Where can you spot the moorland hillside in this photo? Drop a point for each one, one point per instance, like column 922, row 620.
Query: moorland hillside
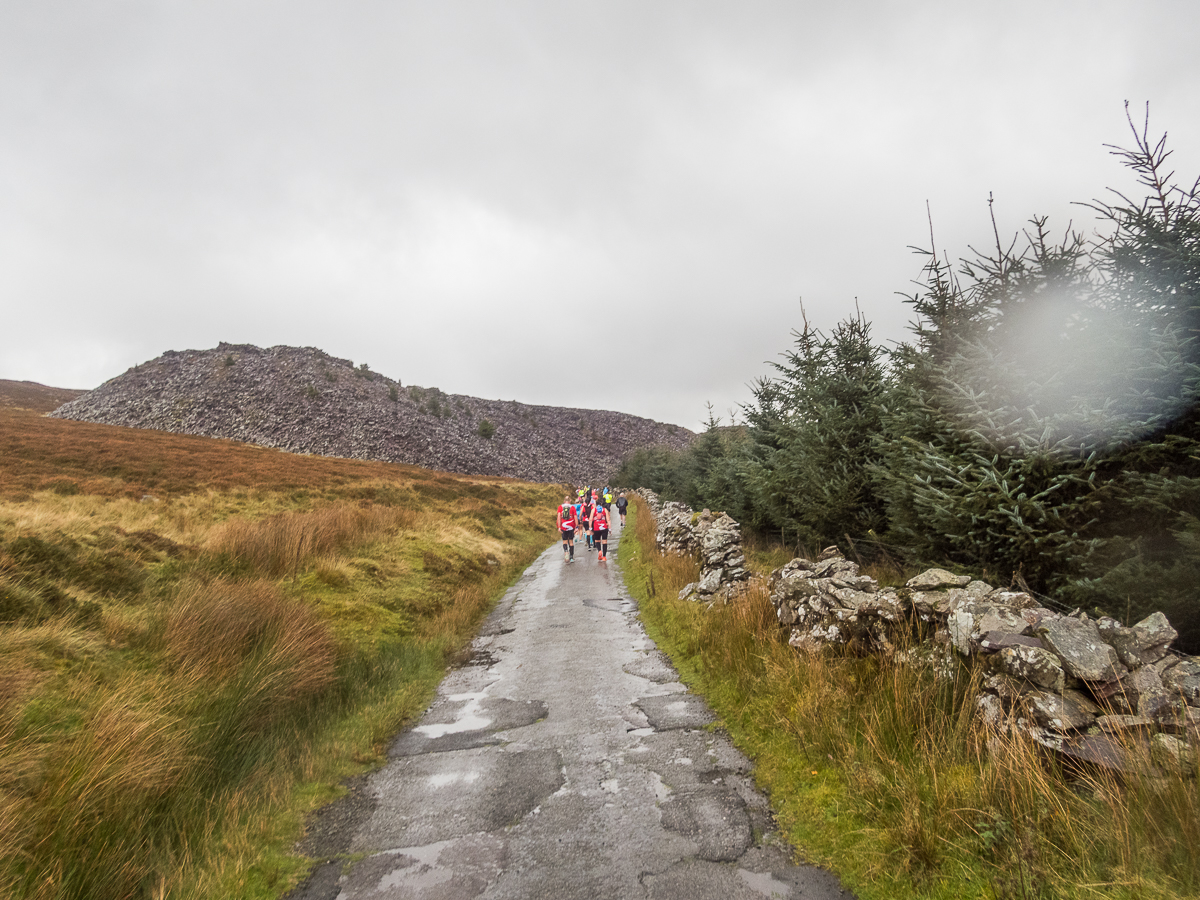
column 200, row 639
column 33, row 396
column 302, row 400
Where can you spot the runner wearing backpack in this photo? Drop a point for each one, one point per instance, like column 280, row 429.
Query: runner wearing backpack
column 566, row 526
column 622, row 505
column 600, row 532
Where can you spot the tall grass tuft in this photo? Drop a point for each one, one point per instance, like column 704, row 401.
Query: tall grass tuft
column 99, row 817
column 113, row 803
column 284, row 543
column 215, row 629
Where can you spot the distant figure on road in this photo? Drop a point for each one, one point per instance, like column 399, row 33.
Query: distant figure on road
column 585, row 520
column 622, row 505
column 608, row 498
column 566, row 525
column 600, row 531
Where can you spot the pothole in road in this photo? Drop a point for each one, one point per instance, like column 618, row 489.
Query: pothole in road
column 672, row 711
column 653, row 666
column 469, row 656
column 475, row 724
column 613, row 604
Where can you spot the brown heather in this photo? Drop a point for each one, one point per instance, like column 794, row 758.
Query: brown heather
column 42, row 454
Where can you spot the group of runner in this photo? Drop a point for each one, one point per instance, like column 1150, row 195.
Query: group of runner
column 588, row 511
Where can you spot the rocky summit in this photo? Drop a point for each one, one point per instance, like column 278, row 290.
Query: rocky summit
column 302, row 400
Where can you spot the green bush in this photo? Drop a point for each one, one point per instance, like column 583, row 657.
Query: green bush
column 486, row 429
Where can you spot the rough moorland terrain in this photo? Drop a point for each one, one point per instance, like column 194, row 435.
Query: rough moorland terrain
column 302, row 400
column 33, row 396
column 200, row 639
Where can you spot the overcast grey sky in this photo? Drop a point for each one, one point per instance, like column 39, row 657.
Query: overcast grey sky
column 469, row 194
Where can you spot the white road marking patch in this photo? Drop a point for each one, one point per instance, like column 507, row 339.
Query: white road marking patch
column 661, row 791
column 424, row 874
column 468, row 719
column 441, row 779
column 467, row 723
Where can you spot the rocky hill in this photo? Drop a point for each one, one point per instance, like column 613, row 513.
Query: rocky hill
column 303, row 400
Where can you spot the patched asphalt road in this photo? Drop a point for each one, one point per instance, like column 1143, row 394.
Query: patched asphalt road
column 565, row 761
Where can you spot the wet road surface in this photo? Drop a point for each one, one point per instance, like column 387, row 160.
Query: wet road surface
column 565, row 761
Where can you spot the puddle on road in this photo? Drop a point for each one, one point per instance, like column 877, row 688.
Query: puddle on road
column 613, row 604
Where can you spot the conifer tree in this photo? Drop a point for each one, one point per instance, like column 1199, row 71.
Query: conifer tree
column 812, row 430
column 1044, row 423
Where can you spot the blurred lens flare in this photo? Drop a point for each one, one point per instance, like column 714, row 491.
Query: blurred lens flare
column 1057, row 375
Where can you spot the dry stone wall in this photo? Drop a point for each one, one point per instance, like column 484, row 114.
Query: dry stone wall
column 714, row 537
column 1087, row 688
column 302, row 400
column 1082, row 686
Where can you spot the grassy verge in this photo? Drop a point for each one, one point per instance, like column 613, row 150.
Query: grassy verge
column 183, row 679
column 880, row 772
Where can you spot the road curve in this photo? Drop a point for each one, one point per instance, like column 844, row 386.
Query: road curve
column 564, row 761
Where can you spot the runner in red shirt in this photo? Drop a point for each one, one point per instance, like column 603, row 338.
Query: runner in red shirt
column 600, row 531
column 566, row 527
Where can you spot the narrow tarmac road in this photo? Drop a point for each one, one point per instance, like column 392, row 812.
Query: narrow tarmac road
column 565, row 761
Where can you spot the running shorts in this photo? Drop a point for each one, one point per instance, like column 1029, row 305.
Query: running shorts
column 568, row 534
column 599, row 535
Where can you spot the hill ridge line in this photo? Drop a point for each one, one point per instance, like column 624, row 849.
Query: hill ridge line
column 303, row 400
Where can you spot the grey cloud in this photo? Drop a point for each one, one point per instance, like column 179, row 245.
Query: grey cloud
column 454, row 191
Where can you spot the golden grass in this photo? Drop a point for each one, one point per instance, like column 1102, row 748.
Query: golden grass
column 83, row 817
column 284, row 543
column 214, row 627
